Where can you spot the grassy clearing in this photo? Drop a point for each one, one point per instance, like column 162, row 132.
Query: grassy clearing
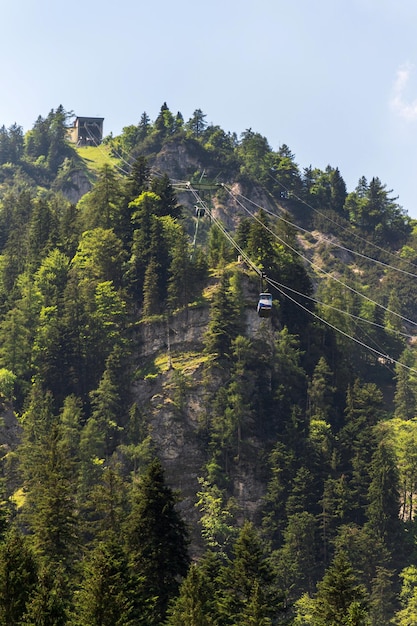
column 184, row 362
column 96, row 157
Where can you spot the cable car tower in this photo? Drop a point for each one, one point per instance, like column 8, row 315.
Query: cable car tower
column 203, row 190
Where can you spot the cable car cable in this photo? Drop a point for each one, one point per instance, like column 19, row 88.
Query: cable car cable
column 348, row 230
column 317, row 267
column 332, row 243
column 97, row 145
column 339, row 330
column 330, row 306
column 379, row 353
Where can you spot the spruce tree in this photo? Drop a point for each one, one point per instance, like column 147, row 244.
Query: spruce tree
column 138, row 179
column 192, row 607
column 100, row 207
column 18, row 577
column 339, row 596
column 384, row 501
column 49, row 480
column 224, row 324
column 156, row 541
column 358, row 442
column 246, row 577
column 168, row 204
column 49, row 604
column 105, row 597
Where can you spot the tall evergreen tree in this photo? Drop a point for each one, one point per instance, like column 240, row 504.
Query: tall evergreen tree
column 192, row 607
column 50, row 507
column 18, row 577
column 246, row 576
column 100, row 207
column 225, row 322
column 49, row 604
column 384, row 502
column 156, row 543
column 105, row 596
column 358, row 442
column 339, row 596
column 168, row 204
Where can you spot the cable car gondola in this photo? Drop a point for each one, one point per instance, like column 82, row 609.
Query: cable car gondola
column 200, row 211
column 264, row 307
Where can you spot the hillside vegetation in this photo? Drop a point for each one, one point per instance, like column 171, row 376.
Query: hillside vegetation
column 168, row 456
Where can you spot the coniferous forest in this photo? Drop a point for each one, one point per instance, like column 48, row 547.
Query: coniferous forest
column 168, row 456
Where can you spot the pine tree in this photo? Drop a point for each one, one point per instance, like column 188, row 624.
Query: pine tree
column 138, row 180
column 106, row 594
column 261, row 244
column 225, row 322
column 180, row 279
column 192, row 607
column 107, row 504
column 384, row 501
column 16, row 143
column 42, row 231
column 156, row 542
column 247, row 576
column 282, row 469
column 49, row 603
column 296, row 560
column 405, row 398
column 197, row 124
column 321, row 391
column 152, row 299
column 168, row 204
column 358, row 442
column 100, row 207
column 18, row 577
column 50, row 507
column 382, row 598
column 339, row 596
column 106, row 412
column 136, row 183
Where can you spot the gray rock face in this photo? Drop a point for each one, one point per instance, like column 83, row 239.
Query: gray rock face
column 177, row 426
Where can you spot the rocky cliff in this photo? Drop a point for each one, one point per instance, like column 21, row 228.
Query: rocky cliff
column 172, row 388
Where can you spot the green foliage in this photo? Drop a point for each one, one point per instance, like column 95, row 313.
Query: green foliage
column 47, row 141
column 248, row 586
column 371, row 208
column 217, row 515
column 50, row 507
column 99, row 256
column 18, row 577
column 192, row 607
column 284, row 411
column 100, row 207
column 358, row 441
column 253, row 151
column 7, row 383
column 49, row 603
column 159, row 562
column 105, row 597
column 340, row 600
column 384, row 501
column 295, row 562
column 225, row 321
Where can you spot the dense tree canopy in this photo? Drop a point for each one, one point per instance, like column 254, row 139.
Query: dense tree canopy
column 151, row 419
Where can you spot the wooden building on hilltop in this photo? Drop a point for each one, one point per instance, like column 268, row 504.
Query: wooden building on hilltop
column 87, row 131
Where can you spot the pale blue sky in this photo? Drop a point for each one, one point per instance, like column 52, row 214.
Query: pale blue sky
column 336, row 80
